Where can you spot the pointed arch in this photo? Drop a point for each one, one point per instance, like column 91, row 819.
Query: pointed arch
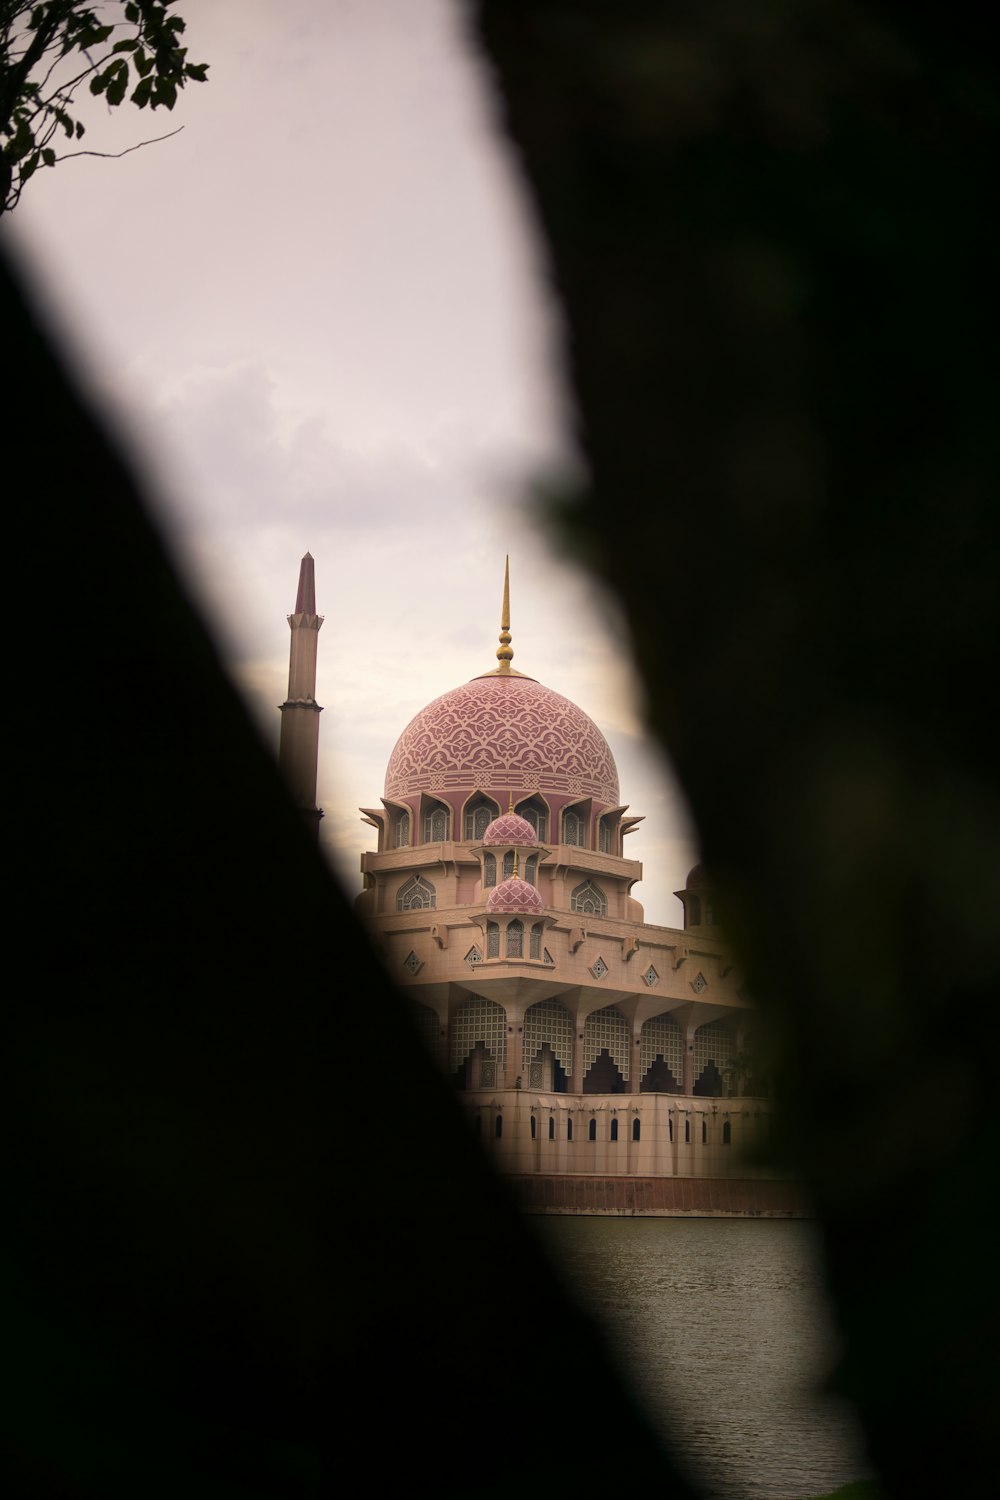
column 436, row 821
column 417, row 894
column 589, row 899
column 477, row 815
column 535, row 810
column 574, row 827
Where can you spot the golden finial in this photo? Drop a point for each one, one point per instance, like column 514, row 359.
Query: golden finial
column 517, row 872
column 504, row 653
column 510, row 804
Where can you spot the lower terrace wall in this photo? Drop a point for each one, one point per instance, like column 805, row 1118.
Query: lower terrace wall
column 661, row 1197
column 607, row 1136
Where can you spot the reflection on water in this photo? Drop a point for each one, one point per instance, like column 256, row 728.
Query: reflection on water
column 723, row 1325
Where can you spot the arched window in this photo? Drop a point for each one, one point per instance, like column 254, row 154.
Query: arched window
column 670, row 1129
column 636, row 1128
column 704, row 1131
column 606, row 836
column 536, row 940
column 492, row 940
column 535, row 812
column 614, row 1130
column 479, row 814
column 552, row 1128
column 569, row 1128
column 574, row 828
column 727, row 1134
column 436, row 821
column 693, row 911
column 531, row 869
column 589, row 899
column 532, row 1127
column 515, row 939
column 498, row 1126
column 592, row 1131
column 401, row 830
column 416, row 895
column 489, row 869
column 687, row 1132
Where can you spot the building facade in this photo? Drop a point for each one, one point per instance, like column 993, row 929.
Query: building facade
column 604, row 1059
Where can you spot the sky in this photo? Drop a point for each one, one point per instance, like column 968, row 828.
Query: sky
column 320, row 319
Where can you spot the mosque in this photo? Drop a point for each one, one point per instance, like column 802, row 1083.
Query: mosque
column 607, row 1062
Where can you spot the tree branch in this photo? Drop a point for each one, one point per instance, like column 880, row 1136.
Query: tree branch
column 153, row 141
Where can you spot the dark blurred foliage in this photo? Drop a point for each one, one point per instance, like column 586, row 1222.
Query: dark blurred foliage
column 250, row 1247
column 767, row 227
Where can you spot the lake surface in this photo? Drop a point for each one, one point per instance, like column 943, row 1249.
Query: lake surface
column 724, row 1327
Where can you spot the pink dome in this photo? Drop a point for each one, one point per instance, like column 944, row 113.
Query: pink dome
column 509, row 828
column 514, row 895
column 503, row 733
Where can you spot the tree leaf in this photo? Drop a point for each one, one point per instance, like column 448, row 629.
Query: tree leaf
column 141, row 92
column 131, row 12
column 49, row 156
column 118, row 85
column 125, row 46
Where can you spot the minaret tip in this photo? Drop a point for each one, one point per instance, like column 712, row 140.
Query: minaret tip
column 305, row 599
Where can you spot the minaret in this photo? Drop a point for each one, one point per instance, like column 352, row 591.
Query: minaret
column 298, row 749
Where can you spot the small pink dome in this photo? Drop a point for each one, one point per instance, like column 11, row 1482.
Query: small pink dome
column 696, row 879
column 510, row 828
column 514, row 895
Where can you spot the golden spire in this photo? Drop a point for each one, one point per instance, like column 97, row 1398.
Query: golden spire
column 510, row 804
column 504, row 653
column 517, row 873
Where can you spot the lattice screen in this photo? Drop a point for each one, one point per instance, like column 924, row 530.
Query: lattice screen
column 478, row 1020
column 712, row 1043
column 548, row 1021
column 661, row 1036
column 606, row 1028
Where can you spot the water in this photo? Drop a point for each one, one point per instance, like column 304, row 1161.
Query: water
column 724, row 1327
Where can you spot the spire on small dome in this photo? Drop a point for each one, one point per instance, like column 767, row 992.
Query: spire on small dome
column 305, row 599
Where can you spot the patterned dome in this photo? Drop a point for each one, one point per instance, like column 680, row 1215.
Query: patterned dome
column 503, row 732
column 509, row 828
column 514, row 895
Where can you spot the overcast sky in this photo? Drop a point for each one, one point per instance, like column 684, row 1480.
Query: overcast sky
column 320, row 319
